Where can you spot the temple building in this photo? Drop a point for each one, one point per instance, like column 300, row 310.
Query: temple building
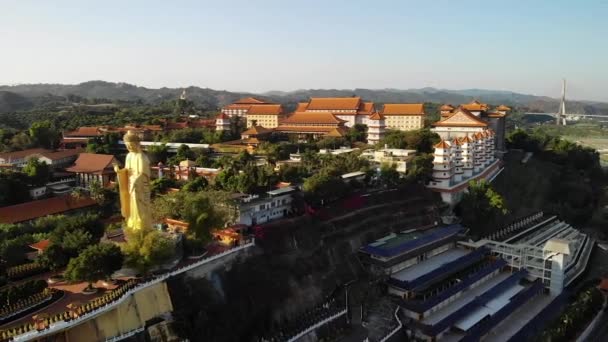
column 376, row 126
column 266, row 115
column 93, row 167
column 466, row 152
column 222, row 122
column 254, row 135
column 314, row 124
column 495, row 119
column 241, row 107
column 403, row 116
column 352, row 110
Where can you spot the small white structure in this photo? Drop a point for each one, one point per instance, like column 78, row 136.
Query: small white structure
column 222, row 122
column 390, row 156
column 254, row 209
column 353, row 176
column 338, row 151
column 37, row 192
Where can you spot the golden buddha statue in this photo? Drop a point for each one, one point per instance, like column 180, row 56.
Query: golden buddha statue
column 134, row 185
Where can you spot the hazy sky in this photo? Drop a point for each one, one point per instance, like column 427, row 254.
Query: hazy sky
column 524, row 46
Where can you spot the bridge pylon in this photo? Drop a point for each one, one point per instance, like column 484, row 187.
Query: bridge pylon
column 561, row 113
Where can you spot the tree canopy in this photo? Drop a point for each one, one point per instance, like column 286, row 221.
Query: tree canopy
column 97, row 262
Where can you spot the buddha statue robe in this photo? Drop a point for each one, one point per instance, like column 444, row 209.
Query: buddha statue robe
column 134, row 183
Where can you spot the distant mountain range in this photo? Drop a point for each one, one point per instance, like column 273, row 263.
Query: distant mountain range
column 28, row 96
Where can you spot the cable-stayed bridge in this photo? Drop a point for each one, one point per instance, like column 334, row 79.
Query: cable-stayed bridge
column 561, row 116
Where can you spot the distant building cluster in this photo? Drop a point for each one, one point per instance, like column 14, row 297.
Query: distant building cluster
column 326, row 117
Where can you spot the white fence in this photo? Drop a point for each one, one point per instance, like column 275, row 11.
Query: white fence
column 56, row 327
column 317, row 325
column 125, row 335
column 399, row 326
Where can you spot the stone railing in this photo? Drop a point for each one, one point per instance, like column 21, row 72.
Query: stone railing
column 26, row 304
column 125, row 335
column 392, row 332
column 515, row 226
column 103, row 304
column 61, row 181
column 317, row 325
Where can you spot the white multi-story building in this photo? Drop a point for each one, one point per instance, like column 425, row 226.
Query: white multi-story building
column 466, row 152
column 254, row 209
column 375, row 128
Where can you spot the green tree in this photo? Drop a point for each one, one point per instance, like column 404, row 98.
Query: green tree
column 144, row 250
column 158, row 153
column 44, row 134
column 389, row 177
column 14, row 188
column 420, row 168
column 357, row 133
column 75, row 241
column 480, row 205
column 196, row 185
column 38, row 171
column 161, row 185
column 53, row 257
column 21, row 141
column 97, row 262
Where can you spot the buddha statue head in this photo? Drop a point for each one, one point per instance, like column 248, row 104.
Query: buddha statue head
column 132, row 141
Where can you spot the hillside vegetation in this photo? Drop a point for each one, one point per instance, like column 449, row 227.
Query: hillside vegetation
column 212, row 99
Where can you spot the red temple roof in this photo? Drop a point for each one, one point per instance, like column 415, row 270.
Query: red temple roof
column 49, row 206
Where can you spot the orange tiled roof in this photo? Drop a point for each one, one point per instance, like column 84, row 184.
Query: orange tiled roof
column 461, row 118
column 336, row 132
column 62, row 154
column 201, row 123
column 475, row 106
column 403, row 109
column 237, row 106
column 366, row 108
column 503, row 108
column 84, row 132
column 495, row 115
column 376, row 116
column 303, row 118
column 446, row 106
column 153, row 127
column 309, row 129
column 466, row 139
column 302, row 107
column 256, row 130
column 222, row 116
column 265, row 109
column 23, row 154
column 456, row 141
column 41, row 245
column 442, row 144
column 35, row 209
column 334, row 103
column 92, row 163
column 250, row 100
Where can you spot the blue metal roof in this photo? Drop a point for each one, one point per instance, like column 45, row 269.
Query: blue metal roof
column 410, row 245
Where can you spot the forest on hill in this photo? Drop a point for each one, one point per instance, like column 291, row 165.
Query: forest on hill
column 35, row 96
